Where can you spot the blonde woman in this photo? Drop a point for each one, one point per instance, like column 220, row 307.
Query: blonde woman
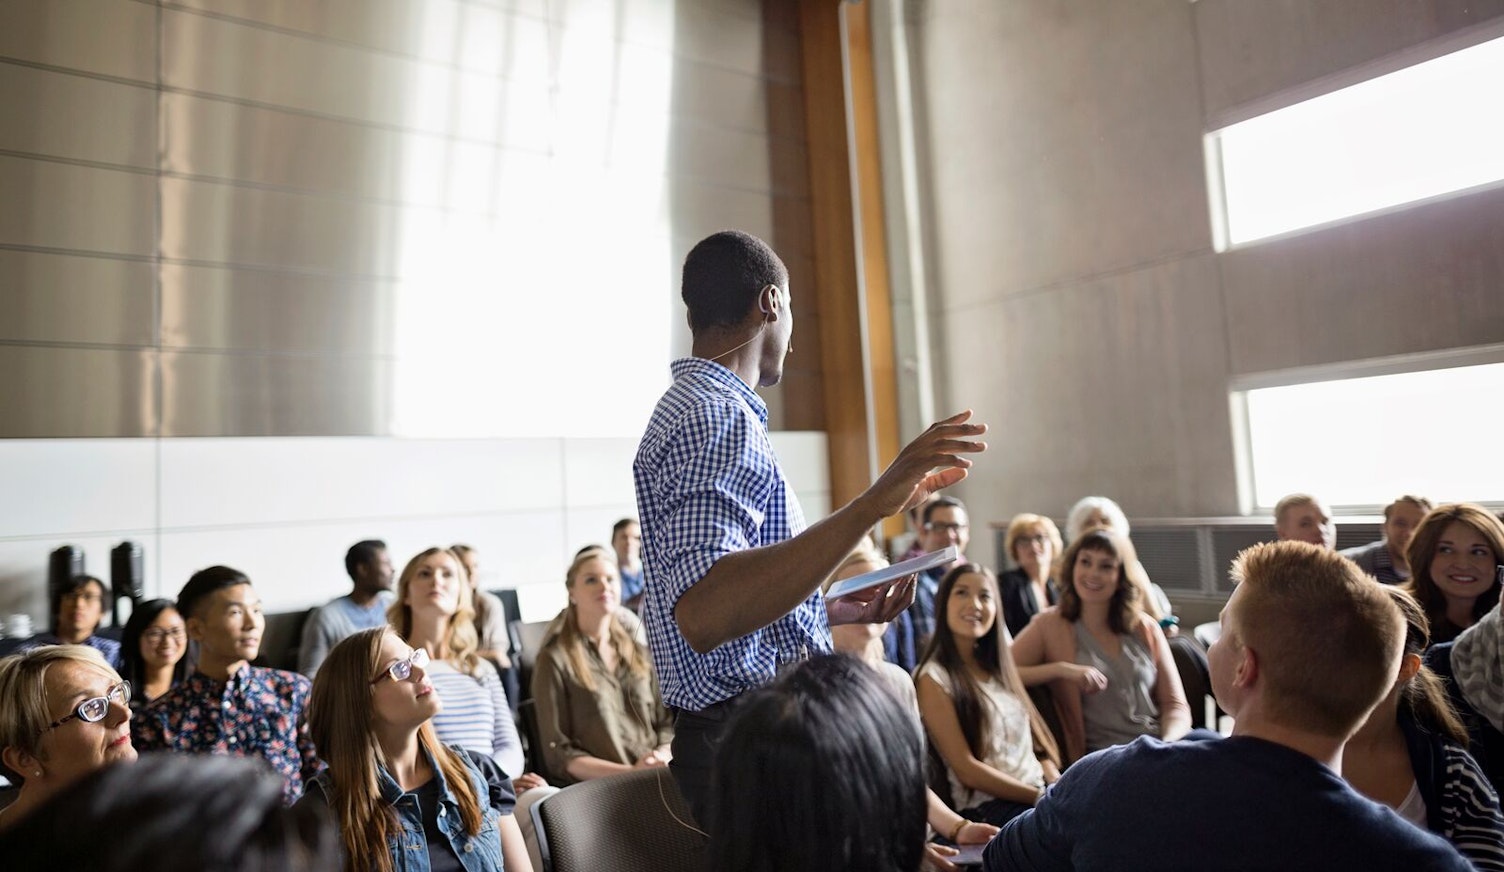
column 433, row 611
column 1033, row 541
column 64, row 713
column 400, row 798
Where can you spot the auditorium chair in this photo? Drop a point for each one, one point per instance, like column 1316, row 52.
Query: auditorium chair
column 633, row 822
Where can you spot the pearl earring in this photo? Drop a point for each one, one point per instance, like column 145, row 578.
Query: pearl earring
column 38, row 773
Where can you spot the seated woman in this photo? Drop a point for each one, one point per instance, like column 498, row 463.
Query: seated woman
column 1093, row 512
column 77, row 608
column 1411, row 756
column 1032, row 541
column 1452, row 557
column 400, row 799
column 998, row 753
column 433, row 611
column 864, row 642
column 1112, row 673
column 64, row 713
column 1473, row 669
column 599, row 709
column 152, row 650
column 820, row 771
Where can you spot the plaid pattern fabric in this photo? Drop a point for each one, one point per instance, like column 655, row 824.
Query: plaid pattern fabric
column 709, row 484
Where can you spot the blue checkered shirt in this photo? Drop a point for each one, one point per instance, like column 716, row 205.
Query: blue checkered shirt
column 709, row 484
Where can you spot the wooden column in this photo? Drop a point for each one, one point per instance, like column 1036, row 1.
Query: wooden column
column 851, row 261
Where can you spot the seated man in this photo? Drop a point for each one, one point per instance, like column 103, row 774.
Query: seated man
column 1385, row 559
column 626, row 541
column 1303, row 518
column 943, row 522
column 1309, row 646
column 76, row 613
column 363, row 608
column 228, row 706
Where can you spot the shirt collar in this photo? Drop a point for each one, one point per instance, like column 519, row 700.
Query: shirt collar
column 709, row 369
column 204, row 682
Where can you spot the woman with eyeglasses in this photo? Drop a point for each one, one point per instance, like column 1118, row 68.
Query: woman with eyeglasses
column 1033, row 541
column 400, row 798
column 152, row 650
column 64, row 712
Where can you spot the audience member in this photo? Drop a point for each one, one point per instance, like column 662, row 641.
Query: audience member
column 1309, row 645
column 77, row 609
column 433, row 611
column 821, row 771
column 370, row 569
column 64, row 712
column 1304, row 518
column 1113, row 676
column 1411, row 756
column 943, row 522
column 400, row 799
column 170, row 813
column 1452, row 559
column 998, row 752
column 599, row 710
column 1473, row 667
column 152, row 651
column 626, row 541
column 1090, row 513
column 1386, row 559
column 491, row 625
column 228, row 706
column 862, row 642
column 1033, row 542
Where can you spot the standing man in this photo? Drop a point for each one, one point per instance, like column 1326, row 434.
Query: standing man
column 1386, row 559
column 364, row 607
column 227, row 706
column 732, row 575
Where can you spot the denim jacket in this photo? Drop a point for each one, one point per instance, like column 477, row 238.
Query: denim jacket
column 409, row 849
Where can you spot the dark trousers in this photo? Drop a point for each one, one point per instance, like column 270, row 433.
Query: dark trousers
column 697, row 735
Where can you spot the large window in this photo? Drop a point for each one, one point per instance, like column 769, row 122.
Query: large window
column 1360, row 442
column 1427, row 130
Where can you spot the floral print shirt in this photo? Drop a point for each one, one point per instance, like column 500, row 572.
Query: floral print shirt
column 257, row 713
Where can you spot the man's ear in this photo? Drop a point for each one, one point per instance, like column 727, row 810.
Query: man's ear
column 1248, row 668
column 770, row 302
column 194, row 627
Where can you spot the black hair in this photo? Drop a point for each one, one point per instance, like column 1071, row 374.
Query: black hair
column 205, row 582
column 363, row 553
column 621, row 525
column 174, row 813
column 723, row 275
column 821, row 770
column 133, row 667
column 71, row 586
column 940, row 503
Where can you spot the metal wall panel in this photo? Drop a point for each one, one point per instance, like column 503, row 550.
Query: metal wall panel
column 221, row 223
column 78, row 392
column 78, row 117
column 274, row 395
column 107, row 37
column 57, row 205
column 64, row 298
column 222, row 308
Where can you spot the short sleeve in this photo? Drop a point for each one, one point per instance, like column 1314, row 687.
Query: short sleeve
column 498, row 786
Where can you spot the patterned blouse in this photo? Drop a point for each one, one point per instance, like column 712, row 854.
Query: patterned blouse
column 257, row 713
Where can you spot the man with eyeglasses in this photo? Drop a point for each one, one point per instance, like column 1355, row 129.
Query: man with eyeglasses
column 77, row 609
column 227, row 706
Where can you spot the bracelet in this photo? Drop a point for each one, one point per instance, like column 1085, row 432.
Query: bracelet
column 956, row 831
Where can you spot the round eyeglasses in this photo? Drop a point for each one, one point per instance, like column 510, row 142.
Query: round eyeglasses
column 93, row 710
column 402, row 670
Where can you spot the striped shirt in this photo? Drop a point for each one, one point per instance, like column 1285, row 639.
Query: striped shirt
column 475, row 715
column 1460, row 802
column 708, row 483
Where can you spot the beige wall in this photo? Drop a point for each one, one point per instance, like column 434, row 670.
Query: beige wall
column 1078, row 303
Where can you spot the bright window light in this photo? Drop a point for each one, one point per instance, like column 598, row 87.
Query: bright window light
column 1364, row 441
column 1427, row 130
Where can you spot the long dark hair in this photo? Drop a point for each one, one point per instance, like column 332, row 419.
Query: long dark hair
column 1123, row 610
column 994, row 654
column 1422, row 548
column 133, row 667
column 821, row 771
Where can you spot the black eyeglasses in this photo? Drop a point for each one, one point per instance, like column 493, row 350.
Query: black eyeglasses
column 944, row 527
column 402, row 670
column 92, row 711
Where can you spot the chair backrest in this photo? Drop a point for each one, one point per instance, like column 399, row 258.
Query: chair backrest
column 282, row 639
column 634, row 822
column 1195, row 675
column 530, row 637
column 527, row 725
column 508, row 597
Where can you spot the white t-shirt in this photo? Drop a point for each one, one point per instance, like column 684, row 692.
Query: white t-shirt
column 1009, row 745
